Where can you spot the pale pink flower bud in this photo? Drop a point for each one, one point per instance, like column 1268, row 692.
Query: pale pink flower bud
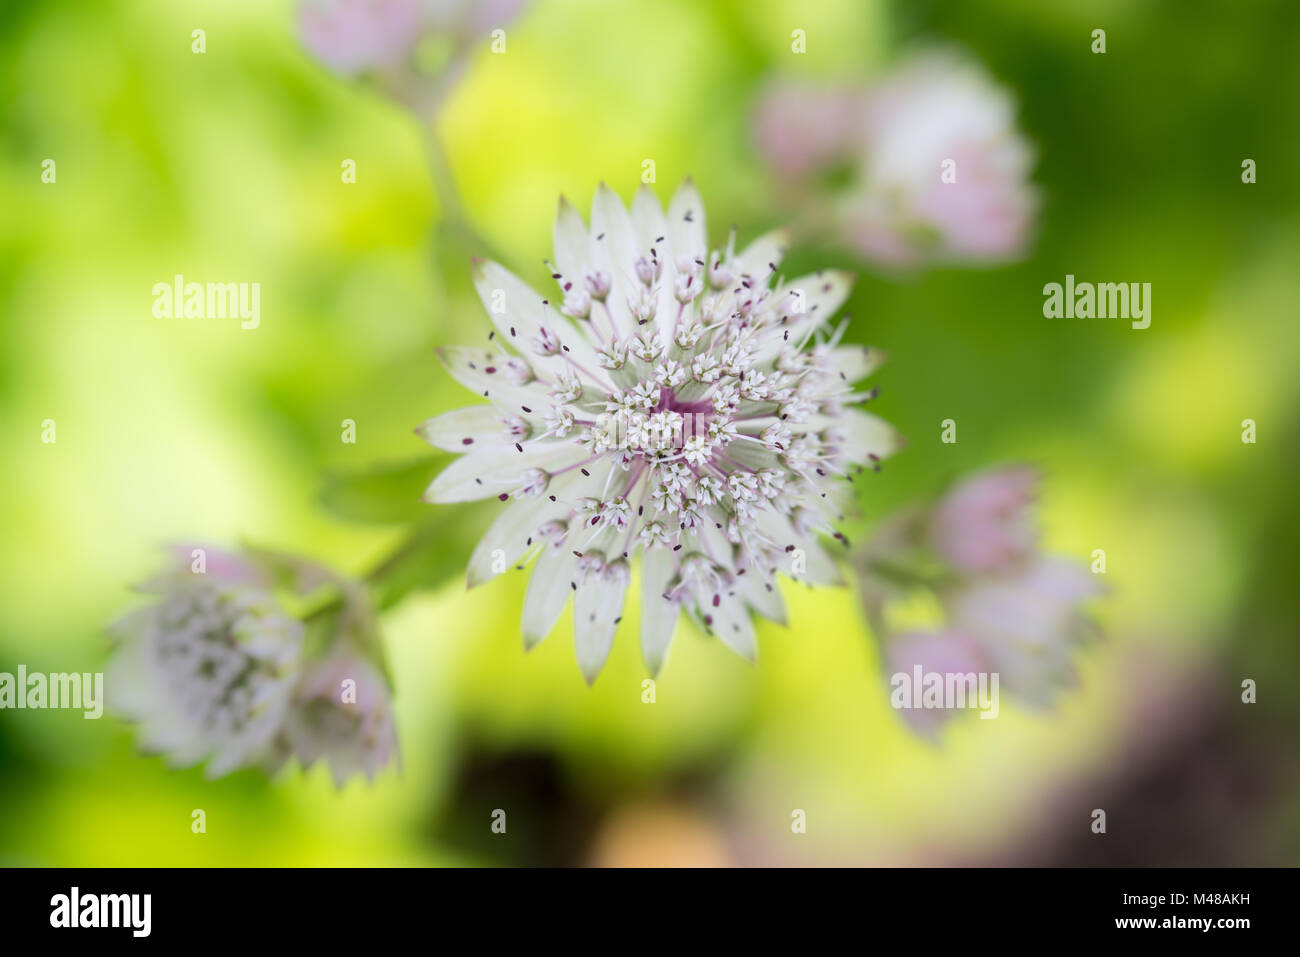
column 341, row 712
column 923, row 166
column 946, row 173
column 1028, row 623
column 357, row 36
column 381, row 36
column 944, row 652
column 206, row 670
column 805, row 130
column 984, row 522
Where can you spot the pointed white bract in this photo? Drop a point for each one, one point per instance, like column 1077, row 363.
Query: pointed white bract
column 686, row 410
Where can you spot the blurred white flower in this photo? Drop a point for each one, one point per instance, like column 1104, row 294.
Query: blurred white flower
column 470, row 19
column 216, row 668
column 943, row 651
column 923, row 166
column 997, row 604
column 937, row 108
column 358, row 36
column 342, row 712
column 208, row 669
column 697, row 410
column 1027, row 622
column 353, row 37
column 805, row 131
column 984, row 522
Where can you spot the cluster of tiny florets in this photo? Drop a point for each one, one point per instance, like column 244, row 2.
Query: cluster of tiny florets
column 691, row 404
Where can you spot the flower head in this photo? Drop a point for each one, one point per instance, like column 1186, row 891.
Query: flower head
column 208, row 669
column 984, row 522
column 992, row 603
column 216, row 669
column 353, row 37
column 698, row 413
column 1027, row 621
column 923, row 166
column 944, row 651
column 935, row 109
column 805, row 131
column 358, row 36
column 342, row 712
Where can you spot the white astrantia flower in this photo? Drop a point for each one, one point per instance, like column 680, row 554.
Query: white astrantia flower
column 208, row 670
column 685, row 409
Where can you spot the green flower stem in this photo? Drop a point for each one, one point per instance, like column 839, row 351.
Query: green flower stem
column 415, row 542
column 897, row 573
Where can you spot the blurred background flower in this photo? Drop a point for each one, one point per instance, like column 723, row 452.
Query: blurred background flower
column 219, row 667
column 699, row 419
column 984, row 522
column 995, row 604
column 341, row 713
column 922, row 165
column 943, row 652
column 353, row 36
column 398, row 41
column 207, row 670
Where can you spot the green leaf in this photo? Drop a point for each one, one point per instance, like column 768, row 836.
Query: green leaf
column 387, row 494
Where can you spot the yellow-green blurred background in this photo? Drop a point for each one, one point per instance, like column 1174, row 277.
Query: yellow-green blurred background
column 226, row 166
